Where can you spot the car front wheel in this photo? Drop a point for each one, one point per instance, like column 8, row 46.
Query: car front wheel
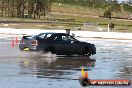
column 87, row 51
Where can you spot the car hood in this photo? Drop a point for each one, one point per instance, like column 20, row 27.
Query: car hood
column 86, row 43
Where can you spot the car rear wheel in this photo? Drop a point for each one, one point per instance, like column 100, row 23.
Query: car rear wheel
column 50, row 50
column 25, row 49
column 87, row 51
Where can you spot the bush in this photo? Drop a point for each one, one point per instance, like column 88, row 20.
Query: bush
column 107, row 14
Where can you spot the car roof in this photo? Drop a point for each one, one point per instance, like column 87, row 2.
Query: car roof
column 52, row 33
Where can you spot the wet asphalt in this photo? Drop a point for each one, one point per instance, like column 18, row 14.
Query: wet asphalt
column 36, row 70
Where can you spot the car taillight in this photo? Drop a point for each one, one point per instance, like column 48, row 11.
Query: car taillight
column 34, row 42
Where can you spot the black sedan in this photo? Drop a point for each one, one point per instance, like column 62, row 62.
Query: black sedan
column 57, row 43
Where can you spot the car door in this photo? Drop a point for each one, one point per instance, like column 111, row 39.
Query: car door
column 61, row 46
column 72, row 46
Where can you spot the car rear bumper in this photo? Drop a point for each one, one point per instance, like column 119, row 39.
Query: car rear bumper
column 30, row 47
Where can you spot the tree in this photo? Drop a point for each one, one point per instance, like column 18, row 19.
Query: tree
column 107, row 14
column 17, row 8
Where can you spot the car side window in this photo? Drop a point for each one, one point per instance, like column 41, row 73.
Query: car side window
column 67, row 38
column 48, row 36
column 58, row 38
column 42, row 36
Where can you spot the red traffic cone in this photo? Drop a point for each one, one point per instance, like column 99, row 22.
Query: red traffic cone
column 12, row 43
column 16, row 40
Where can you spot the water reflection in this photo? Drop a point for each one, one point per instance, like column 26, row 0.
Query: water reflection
column 57, row 68
column 125, row 70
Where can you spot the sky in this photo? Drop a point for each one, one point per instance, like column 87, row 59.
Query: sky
column 122, row 0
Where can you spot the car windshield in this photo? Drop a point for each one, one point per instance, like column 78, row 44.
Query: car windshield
column 72, row 38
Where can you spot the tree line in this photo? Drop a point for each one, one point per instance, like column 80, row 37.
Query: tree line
column 103, row 4
column 25, row 8
column 38, row 8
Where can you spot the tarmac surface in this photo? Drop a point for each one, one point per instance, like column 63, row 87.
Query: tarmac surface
column 36, row 70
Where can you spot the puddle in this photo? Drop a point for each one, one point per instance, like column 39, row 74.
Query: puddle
column 36, row 70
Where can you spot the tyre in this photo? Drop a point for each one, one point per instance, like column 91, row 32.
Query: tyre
column 87, row 51
column 50, row 50
column 24, row 49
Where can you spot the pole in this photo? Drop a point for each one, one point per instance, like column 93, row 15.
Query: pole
column 108, row 28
